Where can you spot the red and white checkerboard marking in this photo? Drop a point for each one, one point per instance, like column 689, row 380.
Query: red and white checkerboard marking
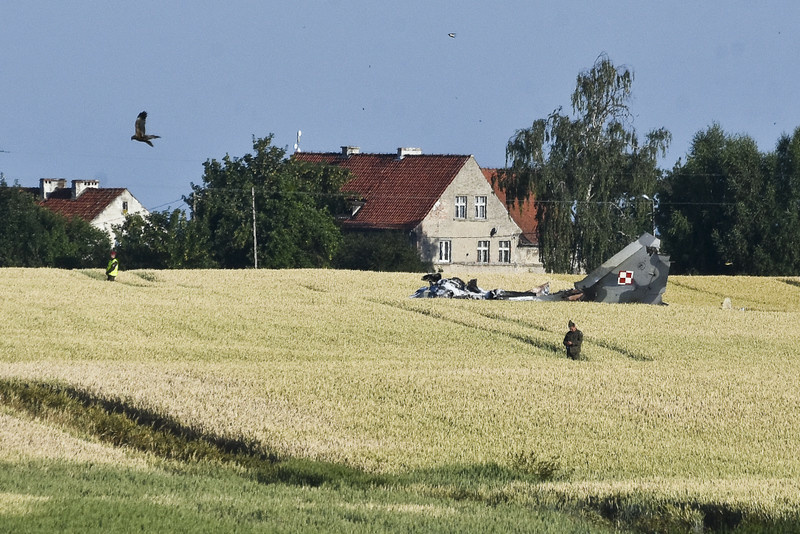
column 625, row 278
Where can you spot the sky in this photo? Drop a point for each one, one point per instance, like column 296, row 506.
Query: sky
column 379, row 75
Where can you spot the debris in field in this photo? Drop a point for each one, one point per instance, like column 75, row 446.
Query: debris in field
column 455, row 288
column 637, row 273
column 726, row 304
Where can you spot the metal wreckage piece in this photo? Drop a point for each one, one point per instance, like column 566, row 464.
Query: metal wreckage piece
column 637, row 273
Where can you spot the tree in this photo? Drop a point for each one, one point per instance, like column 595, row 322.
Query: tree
column 729, row 209
column 294, row 205
column 785, row 239
column 379, row 251
column 590, row 176
column 163, row 240
column 32, row 236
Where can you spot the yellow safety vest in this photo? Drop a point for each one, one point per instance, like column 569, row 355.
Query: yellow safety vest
column 113, row 267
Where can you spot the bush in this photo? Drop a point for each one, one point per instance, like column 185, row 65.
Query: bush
column 379, row 251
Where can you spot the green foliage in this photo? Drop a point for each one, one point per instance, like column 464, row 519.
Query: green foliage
column 379, row 251
column 163, row 240
column 591, row 177
column 32, row 236
column 106, row 498
column 729, row 209
column 294, row 204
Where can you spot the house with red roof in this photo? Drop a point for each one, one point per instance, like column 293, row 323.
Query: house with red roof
column 103, row 208
column 449, row 207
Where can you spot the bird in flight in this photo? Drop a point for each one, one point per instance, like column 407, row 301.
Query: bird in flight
column 140, row 134
column 451, row 35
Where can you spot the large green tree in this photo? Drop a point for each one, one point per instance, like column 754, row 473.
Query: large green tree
column 730, row 209
column 163, row 240
column 594, row 182
column 295, row 204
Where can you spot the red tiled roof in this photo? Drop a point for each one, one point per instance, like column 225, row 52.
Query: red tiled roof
column 523, row 213
column 87, row 206
column 399, row 193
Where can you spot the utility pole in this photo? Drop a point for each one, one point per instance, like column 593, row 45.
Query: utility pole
column 255, row 241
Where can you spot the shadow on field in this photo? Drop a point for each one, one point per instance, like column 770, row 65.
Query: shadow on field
column 795, row 283
column 516, row 480
column 549, row 345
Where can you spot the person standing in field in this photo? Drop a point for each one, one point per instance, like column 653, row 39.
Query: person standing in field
column 573, row 341
column 113, row 267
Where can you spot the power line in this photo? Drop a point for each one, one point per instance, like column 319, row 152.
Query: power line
column 433, row 197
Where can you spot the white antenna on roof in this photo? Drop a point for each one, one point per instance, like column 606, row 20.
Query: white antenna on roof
column 297, row 144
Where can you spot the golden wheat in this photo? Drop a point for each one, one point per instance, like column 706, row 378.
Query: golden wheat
column 685, row 399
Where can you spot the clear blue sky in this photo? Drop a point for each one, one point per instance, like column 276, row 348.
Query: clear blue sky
column 379, row 75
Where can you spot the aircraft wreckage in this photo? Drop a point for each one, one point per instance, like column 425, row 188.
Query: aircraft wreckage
column 637, row 273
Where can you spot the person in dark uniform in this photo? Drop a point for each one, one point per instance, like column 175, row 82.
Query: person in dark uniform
column 572, row 341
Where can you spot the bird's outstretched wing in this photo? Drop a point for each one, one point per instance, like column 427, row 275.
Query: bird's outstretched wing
column 140, row 124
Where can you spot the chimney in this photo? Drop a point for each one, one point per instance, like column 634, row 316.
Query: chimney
column 408, row 151
column 79, row 186
column 48, row 185
column 348, row 151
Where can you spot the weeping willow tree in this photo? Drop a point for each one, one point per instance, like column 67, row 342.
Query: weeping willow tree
column 592, row 180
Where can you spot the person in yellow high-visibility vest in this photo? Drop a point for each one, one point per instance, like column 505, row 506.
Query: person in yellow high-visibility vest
column 113, row 267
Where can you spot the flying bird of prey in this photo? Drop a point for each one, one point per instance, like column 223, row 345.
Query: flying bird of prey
column 140, row 134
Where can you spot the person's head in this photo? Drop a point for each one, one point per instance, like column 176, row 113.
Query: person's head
column 113, row 253
column 572, row 326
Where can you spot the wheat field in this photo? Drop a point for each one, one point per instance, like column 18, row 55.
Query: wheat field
column 684, row 403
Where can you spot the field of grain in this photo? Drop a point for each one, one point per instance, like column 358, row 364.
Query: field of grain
column 686, row 404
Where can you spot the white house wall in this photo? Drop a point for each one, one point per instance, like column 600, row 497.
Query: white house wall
column 115, row 212
column 441, row 224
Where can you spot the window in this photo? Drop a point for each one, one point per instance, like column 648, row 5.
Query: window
column 480, row 207
column 124, row 207
column 444, row 251
column 505, row 252
column 483, row 252
column 461, row 207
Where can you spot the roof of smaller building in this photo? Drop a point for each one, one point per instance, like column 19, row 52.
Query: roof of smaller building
column 89, row 204
column 523, row 213
column 399, row 192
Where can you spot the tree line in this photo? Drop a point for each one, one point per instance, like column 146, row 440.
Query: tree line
column 727, row 209
column 260, row 208
column 31, row 236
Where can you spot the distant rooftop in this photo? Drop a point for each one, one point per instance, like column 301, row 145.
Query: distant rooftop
column 399, row 189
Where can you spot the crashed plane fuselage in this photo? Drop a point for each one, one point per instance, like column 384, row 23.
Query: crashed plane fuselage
column 637, row 273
